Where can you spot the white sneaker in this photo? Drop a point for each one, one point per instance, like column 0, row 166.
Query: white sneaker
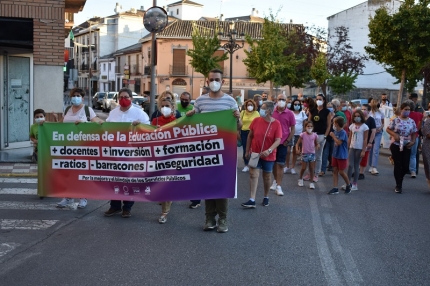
column 246, row 169
column 371, row 169
column 311, row 186
column 374, row 171
column 65, row 202
column 274, row 185
column 354, row 187
column 286, row 170
column 300, row 182
column 293, row 172
column 413, row 175
column 279, row 191
column 82, row 203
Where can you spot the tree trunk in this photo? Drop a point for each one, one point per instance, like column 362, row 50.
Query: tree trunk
column 270, row 90
column 290, row 90
column 402, row 84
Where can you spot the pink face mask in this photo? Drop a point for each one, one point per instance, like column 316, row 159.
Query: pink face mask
column 305, row 104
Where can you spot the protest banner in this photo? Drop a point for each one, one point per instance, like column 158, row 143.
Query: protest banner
column 189, row 158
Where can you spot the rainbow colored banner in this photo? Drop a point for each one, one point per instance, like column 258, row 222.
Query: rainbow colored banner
column 190, row 158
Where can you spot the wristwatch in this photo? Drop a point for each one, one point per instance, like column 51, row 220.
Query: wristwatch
column 270, row 151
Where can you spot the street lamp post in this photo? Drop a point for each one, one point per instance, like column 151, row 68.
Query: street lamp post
column 231, row 46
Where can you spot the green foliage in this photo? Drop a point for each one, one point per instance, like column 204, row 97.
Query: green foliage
column 319, row 71
column 343, row 83
column 400, row 41
column 267, row 61
column 205, row 43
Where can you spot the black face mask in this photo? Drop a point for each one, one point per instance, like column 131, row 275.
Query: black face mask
column 184, row 103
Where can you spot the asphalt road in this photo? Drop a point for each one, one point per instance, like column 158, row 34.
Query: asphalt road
column 369, row 237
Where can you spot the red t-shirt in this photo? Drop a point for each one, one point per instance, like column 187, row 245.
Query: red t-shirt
column 417, row 117
column 259, row 128
column 348, row 119
column 161, row 120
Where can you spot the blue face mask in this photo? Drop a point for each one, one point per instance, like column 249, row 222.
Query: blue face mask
column 262, row 113
column 297, row 107
column 330, row 108
column 76, row 100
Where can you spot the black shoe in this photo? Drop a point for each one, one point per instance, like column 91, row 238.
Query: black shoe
column 361, row 177
column 333, row 191
column 398, row 190
column 348, row 189
column 330, row 168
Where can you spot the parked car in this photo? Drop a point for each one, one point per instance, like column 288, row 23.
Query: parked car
column 115, row 101
column 98, row 100
column 107, row 100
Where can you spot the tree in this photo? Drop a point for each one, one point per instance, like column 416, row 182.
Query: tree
column 205, row 44
column 319, row 71
column 399, row 41
column 342, row 83
column 267, row 60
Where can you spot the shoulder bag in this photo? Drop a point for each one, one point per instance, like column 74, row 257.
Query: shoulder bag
column 255, row 157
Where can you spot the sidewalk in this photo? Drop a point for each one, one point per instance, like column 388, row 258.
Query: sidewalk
column 17, row 163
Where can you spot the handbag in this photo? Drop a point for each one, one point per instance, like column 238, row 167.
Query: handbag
column 255, row 157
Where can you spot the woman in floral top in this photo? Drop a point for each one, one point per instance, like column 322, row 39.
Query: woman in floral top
column 402, row 130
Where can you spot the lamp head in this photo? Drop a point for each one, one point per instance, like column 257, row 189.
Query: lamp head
column 231, row 25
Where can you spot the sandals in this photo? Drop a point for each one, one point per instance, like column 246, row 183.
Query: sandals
column 163, row 218
column 321, row 174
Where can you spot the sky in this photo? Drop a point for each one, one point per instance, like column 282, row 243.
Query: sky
column 307, row 12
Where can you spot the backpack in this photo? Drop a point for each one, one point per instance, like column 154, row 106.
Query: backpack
column 87, row 112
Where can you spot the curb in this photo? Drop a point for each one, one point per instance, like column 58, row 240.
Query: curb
column 18, row 175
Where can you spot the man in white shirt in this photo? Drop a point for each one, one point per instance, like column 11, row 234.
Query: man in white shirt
column 385, row 101
column 125, row 112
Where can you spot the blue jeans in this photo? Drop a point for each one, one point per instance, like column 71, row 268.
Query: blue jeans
column 117, row 205
column 244, row 138
column 413, row 160
column 327, row 152
column 374, row 152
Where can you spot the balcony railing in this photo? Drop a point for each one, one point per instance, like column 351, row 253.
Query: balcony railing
column 178, row 70
column 84, row 67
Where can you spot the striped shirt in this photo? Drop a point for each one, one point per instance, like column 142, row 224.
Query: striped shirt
column 205, row 103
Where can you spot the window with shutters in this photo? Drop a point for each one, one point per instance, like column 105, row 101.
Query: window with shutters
column 179, row 66
column 220, row 53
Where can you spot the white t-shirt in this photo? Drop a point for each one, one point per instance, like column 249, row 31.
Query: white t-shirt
column 357, row 135
column 79, row 115
column 132, row 114
column 378, row 116
column 300, row 117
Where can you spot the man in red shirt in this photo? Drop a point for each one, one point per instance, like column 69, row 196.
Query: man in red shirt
column 418, row 118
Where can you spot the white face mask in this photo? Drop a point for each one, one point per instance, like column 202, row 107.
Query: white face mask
column 260, row 103
column 38, row 120
column 215, row 86
column 281, row 103
column 166, row 111
column 309, row 130
column 320, row 102
column 289, row 105
column 250, row 108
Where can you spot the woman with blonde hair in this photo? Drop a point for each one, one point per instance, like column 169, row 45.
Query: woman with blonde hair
column 247, row 115
column 168, row 95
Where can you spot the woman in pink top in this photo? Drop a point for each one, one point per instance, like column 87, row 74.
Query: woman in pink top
column 308, row 141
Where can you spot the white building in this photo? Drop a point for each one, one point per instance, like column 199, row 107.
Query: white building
column 357, row 20
column 105, row 36
column 185, row 10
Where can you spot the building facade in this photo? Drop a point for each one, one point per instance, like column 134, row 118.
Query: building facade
column 374, row 79
column 31, row 63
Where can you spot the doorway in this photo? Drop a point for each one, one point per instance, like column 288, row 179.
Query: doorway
column 16, row 87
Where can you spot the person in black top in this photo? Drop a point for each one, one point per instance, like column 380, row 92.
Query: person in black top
column 321, row 118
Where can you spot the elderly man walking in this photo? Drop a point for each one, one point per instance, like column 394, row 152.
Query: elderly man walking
column 288, row 122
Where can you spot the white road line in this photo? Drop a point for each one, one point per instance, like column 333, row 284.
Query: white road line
column 21, row 171
column 22, row 224
column 326, row 259
column 6, row 167
column 325, row 202
column 16, row 180
column 17, row 191
column 352, row 275
column 9, row 205
column 7, row 247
